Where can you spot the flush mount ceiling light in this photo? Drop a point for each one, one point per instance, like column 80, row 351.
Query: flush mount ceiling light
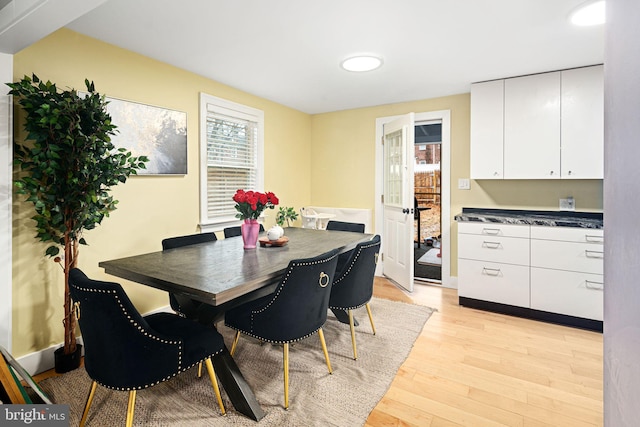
column 590, row 13
column 361, row 63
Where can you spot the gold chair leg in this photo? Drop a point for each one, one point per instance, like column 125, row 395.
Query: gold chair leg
column 199, row 369
column 214, row 383
column 370, row 318
column 353, row 334
column 324, row 349
column 285, row 363
column 130, row 408
column 92, row 391
column 235, row 343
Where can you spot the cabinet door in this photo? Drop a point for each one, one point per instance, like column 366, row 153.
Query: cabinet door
column 582, row 135
column 567, row 292
column 570, row 256
column 488, row 281
column 487, row 102
column 507, row 250
column 494, row 229
column 532, row 127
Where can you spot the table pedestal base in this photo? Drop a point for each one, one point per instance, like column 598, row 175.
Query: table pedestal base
column 236, row 387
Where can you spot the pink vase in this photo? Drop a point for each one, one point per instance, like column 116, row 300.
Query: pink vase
column 250, row 230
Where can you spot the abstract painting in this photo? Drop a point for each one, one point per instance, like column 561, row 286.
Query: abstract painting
column 158, row 133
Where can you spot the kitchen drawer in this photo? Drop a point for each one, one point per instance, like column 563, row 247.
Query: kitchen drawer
column 509, row 250
column 567, row 292
column 571, row 256
column 487, row 281
column 568, row 234
column 493, row 229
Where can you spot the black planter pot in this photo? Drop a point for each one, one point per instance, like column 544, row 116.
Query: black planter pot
column 67, row 362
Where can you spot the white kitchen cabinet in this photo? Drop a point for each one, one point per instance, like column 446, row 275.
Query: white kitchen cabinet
column 567, row 271
column 487, row 132
column 567, row 292
column 493, row 262
column 494, row 282
column 550, row 270
column 569, row 256
column 532, row 127
column 507, row 250
column 541, row 126
column 582, row 131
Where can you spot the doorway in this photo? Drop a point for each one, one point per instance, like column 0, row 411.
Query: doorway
column 428, row 201
column 444, row 116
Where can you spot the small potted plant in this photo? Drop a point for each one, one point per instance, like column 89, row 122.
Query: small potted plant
column 286, row 214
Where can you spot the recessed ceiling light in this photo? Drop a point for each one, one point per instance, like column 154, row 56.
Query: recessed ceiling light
column 361, row 63
column 590, row 13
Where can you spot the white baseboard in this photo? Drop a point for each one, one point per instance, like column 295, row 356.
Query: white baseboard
column 453, row 282
column 40, row 361
column 43, row 360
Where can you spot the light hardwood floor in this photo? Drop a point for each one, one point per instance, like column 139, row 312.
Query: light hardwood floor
column 474, row 368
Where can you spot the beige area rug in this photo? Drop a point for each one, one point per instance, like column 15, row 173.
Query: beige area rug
column 316, row 398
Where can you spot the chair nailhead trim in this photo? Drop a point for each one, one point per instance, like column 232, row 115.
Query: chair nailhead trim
column 142, row 387
column 273, row 341
column 277, row 294
column 349, row 308
column 355, row 258
column 142, row 330
column 346, row 273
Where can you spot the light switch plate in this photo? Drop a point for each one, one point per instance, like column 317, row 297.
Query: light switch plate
column 463, row 184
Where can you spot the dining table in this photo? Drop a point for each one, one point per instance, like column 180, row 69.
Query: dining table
column 222, row 274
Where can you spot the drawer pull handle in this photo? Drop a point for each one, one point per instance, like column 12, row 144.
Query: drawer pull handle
column 491, row 231
column 491, row 271
column 594, row 254
column 592, row 238
column 490, row 245
column 590, row 284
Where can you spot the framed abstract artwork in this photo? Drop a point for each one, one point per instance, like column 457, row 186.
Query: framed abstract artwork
column 158, row 133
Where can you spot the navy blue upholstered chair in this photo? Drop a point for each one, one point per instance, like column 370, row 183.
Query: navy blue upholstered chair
column 345, row 226
column 353, row 285
column 296, row 310
column 128, row 352
column 236, row 231
column 186, row 306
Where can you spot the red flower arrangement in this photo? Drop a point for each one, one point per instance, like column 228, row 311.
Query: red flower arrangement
column 250, row 204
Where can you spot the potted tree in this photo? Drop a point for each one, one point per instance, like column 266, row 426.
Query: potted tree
column 66, row 167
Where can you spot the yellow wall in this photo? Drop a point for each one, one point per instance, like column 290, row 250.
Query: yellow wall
column 343, row 166
column 150, row 208
column 324, row 160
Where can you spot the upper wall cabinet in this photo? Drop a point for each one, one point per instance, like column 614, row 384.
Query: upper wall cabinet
column 543, row 126
column 487, row 128
column 582, row 131
column 532, row 127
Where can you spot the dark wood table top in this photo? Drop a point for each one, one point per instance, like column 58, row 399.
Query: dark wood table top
column 220, row 271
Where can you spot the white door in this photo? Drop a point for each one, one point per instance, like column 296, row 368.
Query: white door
column 398, row 200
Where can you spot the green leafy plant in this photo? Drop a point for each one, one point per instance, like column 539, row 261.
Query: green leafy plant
column 67, row 166
column 286, row 214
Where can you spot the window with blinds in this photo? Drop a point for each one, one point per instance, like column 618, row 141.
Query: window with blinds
column 231, row 147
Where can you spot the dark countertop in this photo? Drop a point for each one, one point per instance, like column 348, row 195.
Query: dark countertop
column 532, row 217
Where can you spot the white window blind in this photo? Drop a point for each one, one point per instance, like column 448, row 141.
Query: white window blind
column 232, row 152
